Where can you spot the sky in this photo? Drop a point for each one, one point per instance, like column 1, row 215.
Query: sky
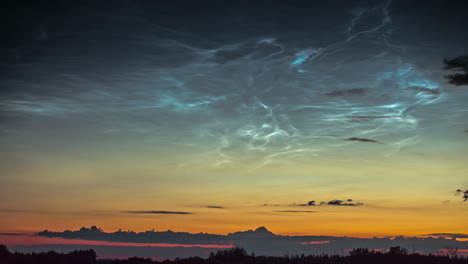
column 311, row 118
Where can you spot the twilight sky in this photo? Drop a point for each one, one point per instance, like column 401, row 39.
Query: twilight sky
column 220, row 116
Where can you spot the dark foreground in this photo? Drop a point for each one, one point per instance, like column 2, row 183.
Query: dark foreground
column 235, row 255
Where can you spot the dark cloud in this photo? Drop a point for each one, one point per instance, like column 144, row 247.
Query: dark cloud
column 460, row 66
column 349, row 92
column 157, row 212
column 271, row 205
column 363, row 140
column 463, row 193
column 455, row 235
column 466, row 131
column 336, row 202
column 359, row 118
column 348, row 202
column 214, row 207
column 309, row 203
column 294, row 211
column 260, row 241
column 97, row 234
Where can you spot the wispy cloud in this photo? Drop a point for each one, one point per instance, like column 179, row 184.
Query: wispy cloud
column 271, row 205
column 214, row 207
column 425, row 90
column 294, row 211
column 349, row 92
column 157, row 212
column 455, row 235
column 309, row 203
column 348, row 202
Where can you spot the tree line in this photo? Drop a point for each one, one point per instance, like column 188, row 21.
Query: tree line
column 237, row 256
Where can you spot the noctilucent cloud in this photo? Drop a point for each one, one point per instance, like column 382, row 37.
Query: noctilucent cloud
column 307, row 117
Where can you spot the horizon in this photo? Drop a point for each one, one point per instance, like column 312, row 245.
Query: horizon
column 341, row 118
column 160, row 245
column 259, row 227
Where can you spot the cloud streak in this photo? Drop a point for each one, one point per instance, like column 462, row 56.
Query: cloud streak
column 348, row 202
column 158, row 212
column 294, row 211
column 350, row 92
column 366, row 140
column 336, row 202
column 309, row 203
column 449, row 235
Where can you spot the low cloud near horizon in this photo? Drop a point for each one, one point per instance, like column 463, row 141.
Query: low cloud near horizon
column 262, row 241
column 448, row 235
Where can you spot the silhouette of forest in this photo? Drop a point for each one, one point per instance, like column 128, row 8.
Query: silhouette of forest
column 238, row 256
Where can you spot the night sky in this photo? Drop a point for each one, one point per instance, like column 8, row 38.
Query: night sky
column 330, row 118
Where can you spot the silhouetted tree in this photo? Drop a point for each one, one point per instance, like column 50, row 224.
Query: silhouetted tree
column 5, row 254
column 398, row 251
column 361, row 252
column 237, row 256
column 51, row 257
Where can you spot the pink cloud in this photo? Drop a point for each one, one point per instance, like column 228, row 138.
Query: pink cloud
column 314, row 242
column 28, row 240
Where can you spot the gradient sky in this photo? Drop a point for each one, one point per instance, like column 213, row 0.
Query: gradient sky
column 225, row 116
